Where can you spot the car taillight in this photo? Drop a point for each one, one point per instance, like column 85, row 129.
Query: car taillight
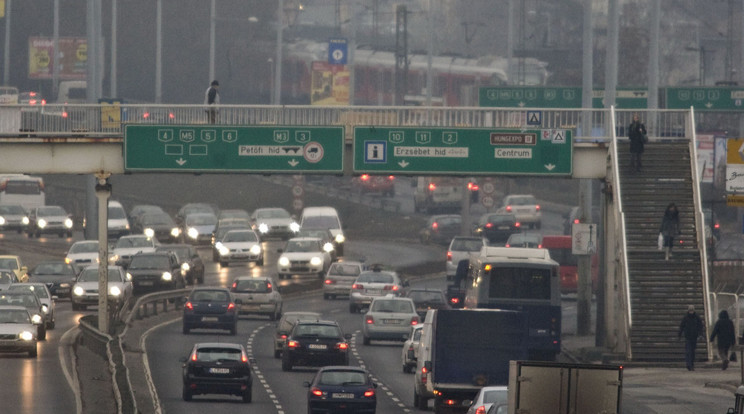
column 394, row 288
column 189, row 306
column 424, row 375
column 391, row 177
column 716, row 226
column 489, row 225
column 342, row 346
column 171, row 115
column 539, row 246
column 268, row 285
column 357, row 286
column 414, row 320
column 517, row 224
column 329, row 282
column 369, row 393
column 576, row 221
column 193, row 356
column 369, row 320
column 316, row 392
column 231, row 306
column 454, row 300
column 450, row 402
column 507, row 245
column 434, row 225
column 244, row 358
column 364, row 177
column 293, row 344
column 508, row 208
column 234, row 286
column 282, row 336
column 449, row 256
column 146, row 115
column 432, row 186
column 537, row 207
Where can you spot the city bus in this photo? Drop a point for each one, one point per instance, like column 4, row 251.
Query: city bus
column 560, row 248
column 23, row 190
column 521, row 279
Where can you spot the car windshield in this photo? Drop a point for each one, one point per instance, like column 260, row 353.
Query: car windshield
column 5, row 279
column 181, row 252
column 447, row 220
column 392, row 306
column 299, row 246
column 342, row 378
column 116, row 213
column 201, row 220
column 375, row 278
column 218, row 354
column 321, row 222
column 500, row 218
column 425, row 296
column 14, row 316
column 252, row 286
column 240, row 236
column 522, row 201
column 127, row 242
column 52, row 269
column 12, row 209
column 91, row 275
column 151, row 219
column 344, row 269
column 289, row 319
column 319, row 233
column 233, row 214
column 87, row 247
column 149, row 262
column 273, row 213
column 8, row 263
column 495, row 396
column 210, row 296
column 197, row 208
column 467, row 245
column 27, row 300
column 319, row 331
column 39, row 291
column 50, row 211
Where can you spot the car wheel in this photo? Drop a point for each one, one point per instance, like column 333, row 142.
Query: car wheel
column 186, row 329
column 248, row 395
column 366, row 340
column 32, row 353
column 51, row 325
column 260, row 262
column 415, row 398
column 277, row 354
column 286, row 364
column 352, row 309
column 42, row 333
column 423, row 403
column 186, row 393
column 224, row 264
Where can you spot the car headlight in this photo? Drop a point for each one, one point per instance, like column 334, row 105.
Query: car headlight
column 340, row 238
column 114, row 258
column 64, row 285
column 129, row 276
column 185, row 267
column 316, row 261
column 256, row 249
column 263, row 228
column 36, row 318
column 78, row 291
column 149, row 232
column 283, row 261
column 2, row 220
column 41, row 223
column 328, row 247
column 224, row 251
column 26, row 336
column 167, row 276
column 68, row 223
column 193, row 233
column 175, row 232
column 25, row 221
column 294, row 227
column 126, row 226
column 114, row 291
column 45, row 308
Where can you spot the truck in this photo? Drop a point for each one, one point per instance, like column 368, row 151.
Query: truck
column 438, row 194
column 563, row 388
column 461, row 351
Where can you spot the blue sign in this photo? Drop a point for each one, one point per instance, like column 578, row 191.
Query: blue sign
column 338, row 49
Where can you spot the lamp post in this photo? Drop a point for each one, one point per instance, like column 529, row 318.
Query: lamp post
column 289, row 14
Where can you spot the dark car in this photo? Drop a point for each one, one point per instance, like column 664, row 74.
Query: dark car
column 341, row 389
column 441, row 228
column 497, row 227
column 315, row 344
column 155, row 271
column 218, row 368
column 425, row 299
column 56, row 274
column 192, row 266
column 159, row 225
column 210, row 308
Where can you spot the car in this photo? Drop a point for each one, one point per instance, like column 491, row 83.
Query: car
column 425, row 299
column 32, row 304
column 15, row 264
column 340, row 277
column 191, row 208
column 31, row 98
column 303, row 256
column 486, row 397
column 532, row 240
column 137, row 211
column 197, row 228
column 373, row 283
column 13, row 217
column 17, row 331
column 57, row 275
column 210, row 308
column 441, row 228
column 500, row 408
column 497, row 227
column 129, row 245
column 325, row 236
column 7, row 279
column 325, row 218
column 192, row 266
column 82, row 253
column 158, row 225
column 85, row 290
column 315, row 343
column 409, row 353
column 459, row 249
column 389, row 318
column 219, row 232
column 258, row 296
column 524, row 207
column 285, row 325
column 218, row 368
column 233, row 214
column 381, row 184
column 712, row 229
column 274, row 222
column 240, row 246
column 49, row 220
column 118, row 224
column 45, row 297
column 337, row 389
column 154, row 271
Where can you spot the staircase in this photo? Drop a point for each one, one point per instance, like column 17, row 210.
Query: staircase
column 660, row 290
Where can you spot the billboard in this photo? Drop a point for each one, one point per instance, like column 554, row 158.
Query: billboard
column 330, row 84
column 73, row 58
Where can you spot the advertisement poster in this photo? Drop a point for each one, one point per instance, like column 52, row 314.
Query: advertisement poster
column 73, row 58
column 735, row 165
column 330, row 84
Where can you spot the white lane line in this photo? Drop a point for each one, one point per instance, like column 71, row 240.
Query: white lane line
column 389, row 392
column 146, row 364
column 68, row 339
column 259, row 374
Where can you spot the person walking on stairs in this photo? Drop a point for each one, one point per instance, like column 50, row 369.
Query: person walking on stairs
column 670, row 228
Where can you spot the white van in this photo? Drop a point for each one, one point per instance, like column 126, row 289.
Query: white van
column 118, row 223
column 325, row 218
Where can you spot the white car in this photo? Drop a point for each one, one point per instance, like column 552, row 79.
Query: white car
column 524, row 207
column 409, row 354
column 45, row 297
column 486, row 397
column 274, row 222
column 459, row 249
column 198, row 228
column 257, row 295
column 340, row 278
column 325, row 218
column 303, row 256
column 240, row 246
column 389, row 318
column 82, row 253
column 128, row 246
column 16, row 325
column 85, row 289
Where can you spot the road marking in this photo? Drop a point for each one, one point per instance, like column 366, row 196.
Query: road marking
column 68, row 338
column 257, row 370
column 389, row 392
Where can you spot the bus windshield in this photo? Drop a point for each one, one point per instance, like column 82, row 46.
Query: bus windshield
column 22, row 190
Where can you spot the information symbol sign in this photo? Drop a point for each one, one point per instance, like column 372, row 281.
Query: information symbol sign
column 375, row 152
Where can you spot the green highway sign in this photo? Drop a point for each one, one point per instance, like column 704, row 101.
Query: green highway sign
column 462, row 151
column 703, row 98
column 529, row 97
column 232, row 148
column 624, row 98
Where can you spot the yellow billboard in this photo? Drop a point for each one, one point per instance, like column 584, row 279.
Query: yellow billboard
column 329, row 84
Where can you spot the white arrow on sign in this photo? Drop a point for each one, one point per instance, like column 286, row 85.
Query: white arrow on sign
column 181, row 161
column 550, row 167
column 293, row 162
column 403, row 164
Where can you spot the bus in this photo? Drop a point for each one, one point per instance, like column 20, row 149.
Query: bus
column 561, row 250
column 23, row 190
column 522, row 279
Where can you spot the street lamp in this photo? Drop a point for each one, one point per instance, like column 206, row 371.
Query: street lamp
column 289, row 14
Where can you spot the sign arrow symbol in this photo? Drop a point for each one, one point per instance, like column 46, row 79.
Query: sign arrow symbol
column 521, row 104
column 293, row 162
column 708, row 105
column 181, row 161
column 403, row 164
column 550, row 167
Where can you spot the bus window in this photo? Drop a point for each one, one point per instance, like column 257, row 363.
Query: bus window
column 22, row 190
column 519, row 283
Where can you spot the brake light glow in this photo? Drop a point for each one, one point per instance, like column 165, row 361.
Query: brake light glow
column 369, row 320
column 487, row 267
column 537, row 207
column 432, row 186
column 329, row 282
column 357, row 286
column 369, row 393
column 364, row 177
column 293, row 344
column 189, row 306
column 231, row 306
column 342, row 346
column 244, row 358
column 391, row 177
column 716, row 226
column 455, row 300
column 193, row 356
column 489, row 225
column 316, row 392
column 146, row 115
column 517, row 224
column 434, row 225
column 576, row 221
column 414, row 320
column 268, row 285
column 508, row 208
column 473, row 186
column 449, row 256
column 450, row 402
column 480, row 410
column 394, row 288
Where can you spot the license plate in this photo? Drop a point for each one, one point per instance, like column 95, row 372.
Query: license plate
column 317, row 346
column 219, row 370
column 209, row 319
column 391, row 321
column 374, row 291
column 503, row 227
column 239, row 256
column 342, row 395
column 146, row 283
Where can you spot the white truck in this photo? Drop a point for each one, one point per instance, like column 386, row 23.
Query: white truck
column 537, row 387
column 438, row 194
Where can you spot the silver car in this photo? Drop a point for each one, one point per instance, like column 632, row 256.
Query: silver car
column 389, row 318
column 257, row 295
column 373, row 284
column 45, row 297
column 340, row 277
column 459, row 249
column 17, row 332
column 85, row 289
column 486, row 397
column 409, row 354
column 524, row 207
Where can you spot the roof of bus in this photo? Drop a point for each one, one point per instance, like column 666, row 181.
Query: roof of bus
column 514, row 253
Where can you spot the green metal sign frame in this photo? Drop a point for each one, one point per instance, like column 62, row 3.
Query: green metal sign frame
column 703, row 98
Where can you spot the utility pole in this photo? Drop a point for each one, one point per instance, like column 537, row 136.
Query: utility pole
column 401, row 54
